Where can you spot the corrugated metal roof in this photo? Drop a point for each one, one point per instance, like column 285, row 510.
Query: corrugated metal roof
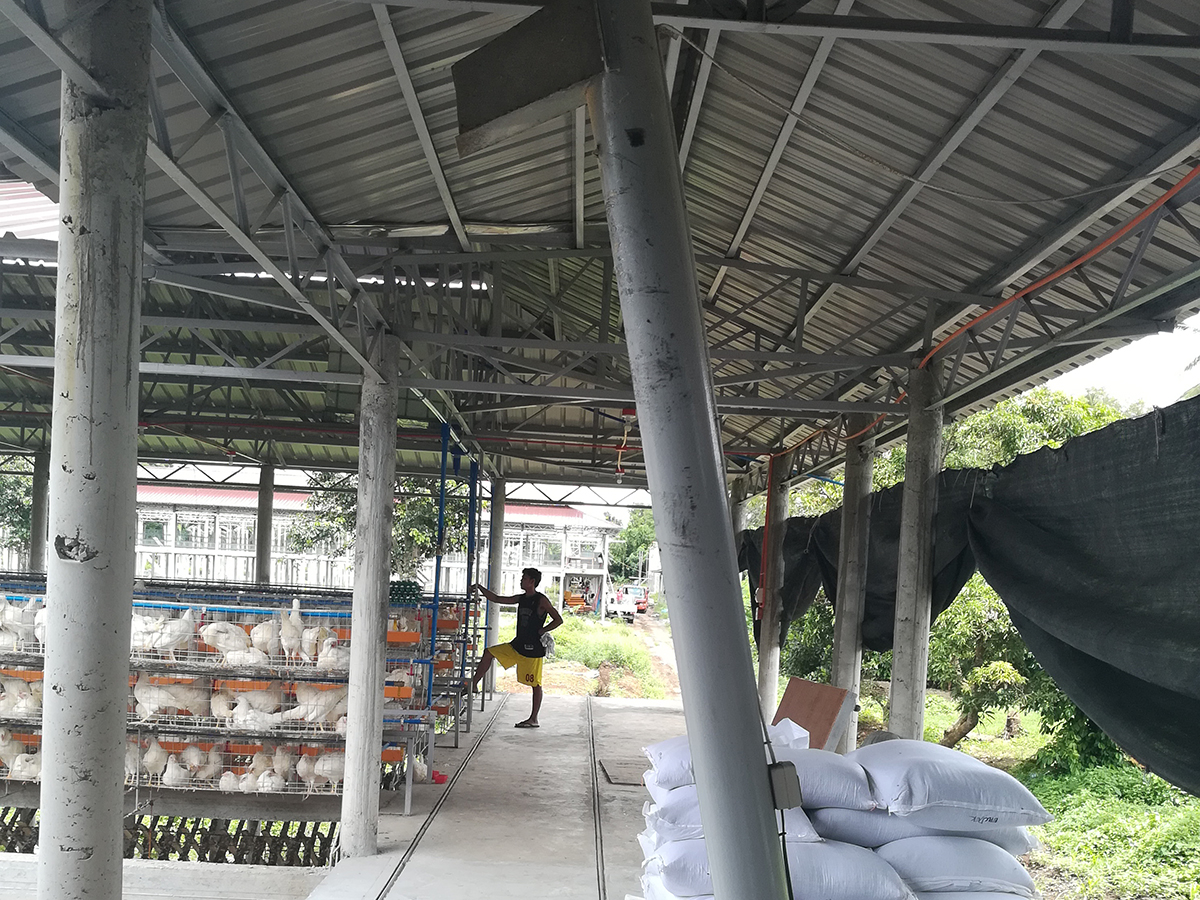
column 313, row 83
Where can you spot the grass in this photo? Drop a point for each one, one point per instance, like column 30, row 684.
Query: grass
column 593, row 643
column 1119, row 833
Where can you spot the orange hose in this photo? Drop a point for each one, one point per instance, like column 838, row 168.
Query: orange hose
column 1041, row 282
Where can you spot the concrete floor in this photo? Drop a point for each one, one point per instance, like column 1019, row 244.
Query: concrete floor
column 518, row 819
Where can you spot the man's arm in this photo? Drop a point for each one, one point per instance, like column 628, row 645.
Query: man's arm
column 493, row 597
column 547, row 607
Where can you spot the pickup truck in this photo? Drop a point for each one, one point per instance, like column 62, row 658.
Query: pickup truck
column 623, row 602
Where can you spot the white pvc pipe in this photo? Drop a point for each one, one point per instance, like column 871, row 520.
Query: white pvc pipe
column 672, row 382
column 93, row 446
column 368, row 617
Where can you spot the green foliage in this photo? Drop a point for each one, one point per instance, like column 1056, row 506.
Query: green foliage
column 808, row 648
column 16, row 499
column 637, row 536
column 414, row 524
column 1120, row 833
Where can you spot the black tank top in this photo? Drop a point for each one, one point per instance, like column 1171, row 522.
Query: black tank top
column 528, row 641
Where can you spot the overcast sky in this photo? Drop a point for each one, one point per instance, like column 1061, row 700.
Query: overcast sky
column 1153, row 370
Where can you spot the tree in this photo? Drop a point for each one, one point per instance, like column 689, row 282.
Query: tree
column 414, row 523
column 637, row 536
column 16, row 499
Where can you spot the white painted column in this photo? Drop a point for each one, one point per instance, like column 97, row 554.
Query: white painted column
column 771, row 584
column 495, row 570
column 852, row 569
column 264, row 524
column 672, row 383
column 93, row 446
column 914, row 575
column 368, row 622
column 39, row 511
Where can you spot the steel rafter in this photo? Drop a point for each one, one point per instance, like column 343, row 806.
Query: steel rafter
column 872, row 28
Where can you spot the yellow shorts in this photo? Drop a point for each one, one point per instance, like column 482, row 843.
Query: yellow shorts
column 529, row 668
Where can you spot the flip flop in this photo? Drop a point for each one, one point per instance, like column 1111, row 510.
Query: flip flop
column 527, row 725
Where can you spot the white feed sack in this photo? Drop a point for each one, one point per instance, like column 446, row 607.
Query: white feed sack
column 942, row 788
column 827, row 779
column 671, row 760
column 957, row 864
column 675, row 816
column 827, row 870
column 873, row 829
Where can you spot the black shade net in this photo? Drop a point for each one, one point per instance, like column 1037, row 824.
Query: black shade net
column 1093, row 548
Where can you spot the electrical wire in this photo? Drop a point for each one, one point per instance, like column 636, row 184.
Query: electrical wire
column 889, row 168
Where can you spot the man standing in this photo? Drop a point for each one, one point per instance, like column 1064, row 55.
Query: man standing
column 526, row 650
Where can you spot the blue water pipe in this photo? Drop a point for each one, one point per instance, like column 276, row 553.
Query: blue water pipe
column 437, row 568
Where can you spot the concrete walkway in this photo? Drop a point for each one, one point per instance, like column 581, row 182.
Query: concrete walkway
column 521, row 821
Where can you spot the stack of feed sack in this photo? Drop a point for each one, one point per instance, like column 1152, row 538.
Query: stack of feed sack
column 673, row 842
column 948, row 823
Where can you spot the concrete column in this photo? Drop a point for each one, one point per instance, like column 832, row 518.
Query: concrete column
column 39, row 511
column 495, row 570
column 770, row 584
column 368, row 621
column 737, row 506
column 672, row 382
column 263, row 525
column 852, row 569
column 93, row 446
column 914, row 575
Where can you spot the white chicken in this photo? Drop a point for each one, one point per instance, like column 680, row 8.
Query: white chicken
column 342, row 725
column 10, row 747
column 248, row 783
column 306, row 771
column 192, row 757
column 250, row 656
column 212, row 768
column 174, row 775
column 312, row 640
column 151, row 698
column 267, row 700
column 260, row 762
column 225, row 637
column 316, row 705
column 142, row 630
column 229, row 783
column 282, row 761
column 333, row 656
column 133, row 761
column 20, row 620
column 221, row 702
column 246, row 717
column 195, row 697
column 265, row 637
column 155, row 759
column 291, row 631
column 26, row 767
column 271, row 782
column 331, row 767
column 39, row 627
column 29, row 700
column 174, row 634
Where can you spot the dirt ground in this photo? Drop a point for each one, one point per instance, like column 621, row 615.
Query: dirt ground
column 568, row 677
